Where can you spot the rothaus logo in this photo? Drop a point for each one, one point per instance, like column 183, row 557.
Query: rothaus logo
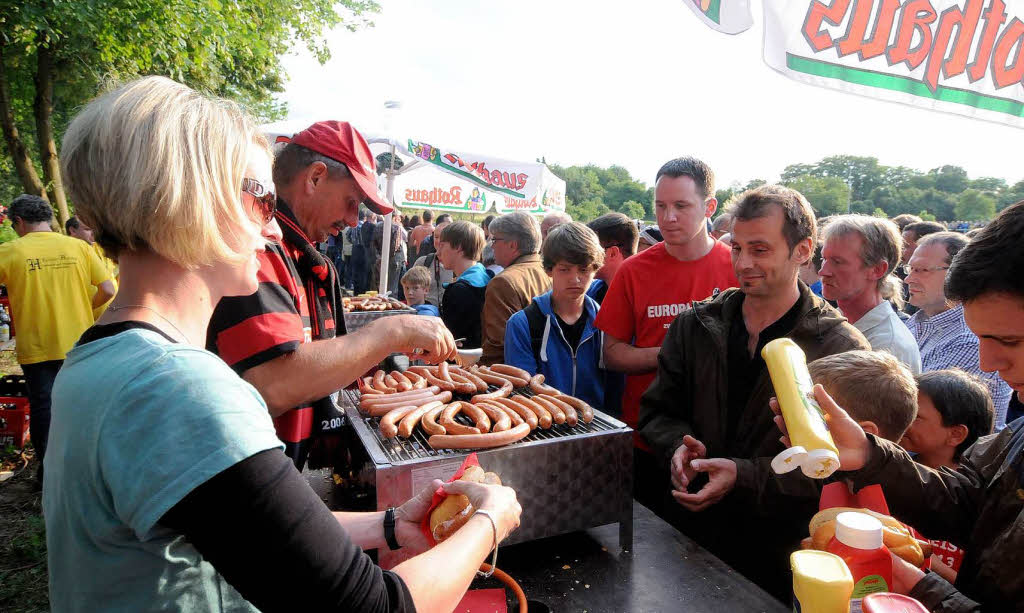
column 972, row 37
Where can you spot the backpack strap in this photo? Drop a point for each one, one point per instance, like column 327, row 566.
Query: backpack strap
column 536, row 320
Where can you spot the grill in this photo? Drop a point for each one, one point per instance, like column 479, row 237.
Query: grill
column 566, row 478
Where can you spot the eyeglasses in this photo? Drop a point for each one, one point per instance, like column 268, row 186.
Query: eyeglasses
column 914, row 270
column 264, row 198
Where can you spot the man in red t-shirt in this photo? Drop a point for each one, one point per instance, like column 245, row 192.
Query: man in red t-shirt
column 653, row 287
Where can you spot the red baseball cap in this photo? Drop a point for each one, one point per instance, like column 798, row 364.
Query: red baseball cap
column 341, row 142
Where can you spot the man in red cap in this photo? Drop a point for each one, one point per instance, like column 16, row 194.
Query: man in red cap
column 288, row 338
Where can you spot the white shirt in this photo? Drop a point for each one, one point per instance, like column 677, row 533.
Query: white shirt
column 886, row 332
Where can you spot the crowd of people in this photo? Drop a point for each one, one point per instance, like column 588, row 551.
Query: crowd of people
column 172, row 410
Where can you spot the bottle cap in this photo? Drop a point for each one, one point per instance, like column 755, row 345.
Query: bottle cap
column 820, row 463
column 789, row 459
column 858, row 530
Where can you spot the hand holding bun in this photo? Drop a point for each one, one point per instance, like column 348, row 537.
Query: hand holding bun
column 474, row 490
column 895, row 536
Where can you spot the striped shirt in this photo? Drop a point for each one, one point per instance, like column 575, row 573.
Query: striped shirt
column 247, row 331
column 947, row 342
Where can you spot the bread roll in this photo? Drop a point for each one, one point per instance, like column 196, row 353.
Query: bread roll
column 455, row 510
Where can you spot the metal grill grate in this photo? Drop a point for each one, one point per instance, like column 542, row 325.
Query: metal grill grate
column 399, row 449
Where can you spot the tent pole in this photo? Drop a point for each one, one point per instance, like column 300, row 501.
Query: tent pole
column 386, row 247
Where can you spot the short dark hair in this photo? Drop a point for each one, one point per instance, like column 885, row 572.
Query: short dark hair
column 414, row 221
column 31, row 208
column 961, row 399
column 427, row 215
column 293, row 159
column 992, row 261
column 487, row 221
column 616, row 230
column 71, row 224
column 691, row 167
column 817, row 258
column 924, row 228
column 954, row 242
column 798, row 216
column 574, row 243
column 904, row 220
column 443, row 217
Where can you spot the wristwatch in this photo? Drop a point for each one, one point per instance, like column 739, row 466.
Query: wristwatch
column 389, row 529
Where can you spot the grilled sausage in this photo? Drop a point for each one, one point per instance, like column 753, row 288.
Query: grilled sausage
column 432, row 379
column 571, row 416
column 448, row 420
column 508, row 369
column 462, row 384
column 586, row 411
column 516, row 381
column 544, row 417
column 378, row 382
column 404, row 384
column 479, row 441
column 537, row 386
column 412, row 418
column 520, row 410
column 502, row 392
column 501, row 419
column 389, row 423
column 481, row 385
column 417, row 381
column 429, row 420
column 557, row 414
column 481, row 420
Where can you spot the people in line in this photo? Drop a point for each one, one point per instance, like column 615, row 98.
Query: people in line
column 809, row 271
column 939, row 326
column 553, row 220
column 416, row 285
column 649, row 237
column 555, row 335
column 54, row 283
column 167, row 487
column 420, row 232
column 721, row 226
column 954, row 411
column 859, row 254
column 976, row 506
column 367, row 232
column 458, row 249
column 712, row 385
column 515, row 238
column 653, row 287
column 485, row 225
column 440, row 277
column 914, row 232
column 618, row 235
column 76, row 229
column 287, row 339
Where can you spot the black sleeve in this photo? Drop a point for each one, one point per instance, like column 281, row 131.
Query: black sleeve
column 266, row 532
column 460, row 312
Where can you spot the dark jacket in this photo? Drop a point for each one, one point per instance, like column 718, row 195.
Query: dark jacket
column 978, row 507
column 463, row 301
column 509, row 292
column 689, row 395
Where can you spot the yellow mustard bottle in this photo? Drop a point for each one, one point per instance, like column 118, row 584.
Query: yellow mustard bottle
column 812, row 447
column 822, row 583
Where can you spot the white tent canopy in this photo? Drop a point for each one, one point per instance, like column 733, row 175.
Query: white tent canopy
column 432, row 177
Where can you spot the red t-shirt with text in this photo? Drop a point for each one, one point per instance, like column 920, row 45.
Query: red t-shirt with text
column 648, row 292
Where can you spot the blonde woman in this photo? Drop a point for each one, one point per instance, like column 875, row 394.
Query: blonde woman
column 166, row 486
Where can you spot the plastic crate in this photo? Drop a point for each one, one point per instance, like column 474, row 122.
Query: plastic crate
column 14, row 422
column 13, row 386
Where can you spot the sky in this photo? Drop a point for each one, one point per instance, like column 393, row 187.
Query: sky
column 633, row 84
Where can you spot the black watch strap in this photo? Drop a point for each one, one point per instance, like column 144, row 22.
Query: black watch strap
column 389, row 529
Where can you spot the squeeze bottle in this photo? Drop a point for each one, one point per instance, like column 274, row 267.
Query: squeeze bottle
column 858, row 541
column 813, row 449
column 891, row 603
column 821, row 582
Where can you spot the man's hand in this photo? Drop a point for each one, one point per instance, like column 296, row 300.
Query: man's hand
column 904, row 575
column 680, row 468
column 847, row 434
column 410, row 515
column 425, row 337
column 721, row 479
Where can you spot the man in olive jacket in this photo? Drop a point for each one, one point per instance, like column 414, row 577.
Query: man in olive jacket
column 516, row 242
column 710, row 396
column 980, row 505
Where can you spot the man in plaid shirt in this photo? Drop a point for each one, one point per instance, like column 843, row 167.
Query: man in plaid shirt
column 939, row 327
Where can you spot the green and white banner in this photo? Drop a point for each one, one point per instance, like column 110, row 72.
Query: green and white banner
column 729, row 16
column 956, row 56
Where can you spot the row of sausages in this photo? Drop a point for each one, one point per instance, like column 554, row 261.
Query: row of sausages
column 498, row 417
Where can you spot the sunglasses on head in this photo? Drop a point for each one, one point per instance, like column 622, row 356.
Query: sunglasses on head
column 264, row 198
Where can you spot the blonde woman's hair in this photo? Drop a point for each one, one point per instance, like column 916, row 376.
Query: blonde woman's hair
column 154, row 165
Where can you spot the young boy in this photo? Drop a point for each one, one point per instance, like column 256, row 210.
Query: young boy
column 555, row 334
column 954, row 409
column 458, row 249
column 416, row 284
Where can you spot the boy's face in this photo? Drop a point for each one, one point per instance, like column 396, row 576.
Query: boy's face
column 415, row 294
column 997, row 319
column 570, row 281
column 927, row 437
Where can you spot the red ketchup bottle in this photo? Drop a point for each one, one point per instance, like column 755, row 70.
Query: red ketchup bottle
column 858, row 541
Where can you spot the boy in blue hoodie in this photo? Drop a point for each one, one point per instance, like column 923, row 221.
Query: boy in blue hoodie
column 555, row 334
column 458, row 250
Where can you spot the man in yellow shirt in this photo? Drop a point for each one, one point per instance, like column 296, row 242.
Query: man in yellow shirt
column 76, row 227
column 48, row 277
